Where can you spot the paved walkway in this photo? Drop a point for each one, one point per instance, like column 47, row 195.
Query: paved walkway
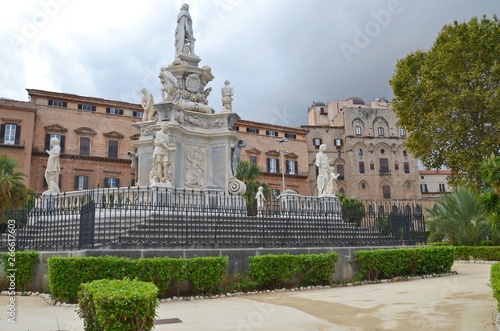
column 458, row 302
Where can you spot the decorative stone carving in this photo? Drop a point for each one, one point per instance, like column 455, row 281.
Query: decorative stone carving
column 169, row 85
column 184, row 38
column 193, row 83
column 236, row 186
column 195, row 167
column 227, row 97
column 53, row 167
column 147, row 102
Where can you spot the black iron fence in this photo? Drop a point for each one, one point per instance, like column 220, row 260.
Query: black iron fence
column 173, row 218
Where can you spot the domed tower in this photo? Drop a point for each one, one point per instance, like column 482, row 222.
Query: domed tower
column 317, row 114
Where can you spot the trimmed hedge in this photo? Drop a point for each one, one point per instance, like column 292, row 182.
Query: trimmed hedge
column 24, row 262
column 66, row 274
column 275, row 271
column 487, row 253
column 390, row 263
column 495, row 282
column 118, row 305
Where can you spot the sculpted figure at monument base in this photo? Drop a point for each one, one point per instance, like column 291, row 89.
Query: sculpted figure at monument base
column 326, row 178
column 53, row 167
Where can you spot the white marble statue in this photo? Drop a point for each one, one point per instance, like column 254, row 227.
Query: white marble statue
column 53, row 167
column 184, row 38
column 161, row 158
column 147, row 102
column 260, row 200
column 236, row 155
column 195, row 168
column 169, row 85
column 325, row 174
column 227, row 97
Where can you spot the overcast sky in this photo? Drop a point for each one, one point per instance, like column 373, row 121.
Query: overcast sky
column 279, row 55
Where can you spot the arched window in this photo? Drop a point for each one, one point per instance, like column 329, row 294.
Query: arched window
column 360, row 152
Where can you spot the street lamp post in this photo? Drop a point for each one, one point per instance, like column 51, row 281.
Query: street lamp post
column 282, row 152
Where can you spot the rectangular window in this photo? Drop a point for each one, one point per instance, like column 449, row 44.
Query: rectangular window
column 252, row 130
column 322, row 111
column 423, row 188
column 81, row 183
column 9, row 134
column 291, row 167
column 340, row 171
column 271, row 133
column 442, row 188
column 137, row 114
column 253, row 159
column 236, row 128
column 380, row 131
column 58, row 103
column 86, row 107
column 290, row 135
column 317, row 142
column 114, row 111
column 406, row 166
column 402, row 132
column 372, row 166
column 113, row 149
column 361, row 167
column 273, row 165
column 384, row 166
column 84, row 146
column 396, row 166
column 386, row 190
column 358, row 131
column 111, row 182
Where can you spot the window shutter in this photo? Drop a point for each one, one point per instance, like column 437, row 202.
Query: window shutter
column 62, row 143
column 47, row 142
column 277, row 166
column 50, row 102
column 287, row 166
column 65, row 104
column 18, row 135
column 93, row 108
column 118, row 182
column 80, row 106
column 2, row 133
column 268, row 165
column 108, row 110
column 106, row 182
column 296, row 167
column 76, row 182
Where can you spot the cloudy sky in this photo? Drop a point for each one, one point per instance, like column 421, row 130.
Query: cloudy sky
column 279, row 55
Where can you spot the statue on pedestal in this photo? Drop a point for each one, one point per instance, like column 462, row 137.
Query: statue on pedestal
column 161, row 158
column 147, row 102
column 260, row 201
column 227, row 97
column 184, row 38
column 326, row 177
column 169, row 85
column 53, row 167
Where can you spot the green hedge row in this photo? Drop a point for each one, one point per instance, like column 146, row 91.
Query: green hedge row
column 275, row 271
column 390, row 263
column 118, row 305
column 495, row 282
column 487, row 253
column 24, row 263
column 66, row 274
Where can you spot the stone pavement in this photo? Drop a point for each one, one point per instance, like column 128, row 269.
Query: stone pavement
column 456, row 302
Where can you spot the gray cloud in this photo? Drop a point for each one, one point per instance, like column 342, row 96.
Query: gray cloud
column 279, row 55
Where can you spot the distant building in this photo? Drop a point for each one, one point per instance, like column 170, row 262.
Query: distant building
column 264, row 150
column 433, row 185
column 366, row 146
column 17, row 123
column 95, row 136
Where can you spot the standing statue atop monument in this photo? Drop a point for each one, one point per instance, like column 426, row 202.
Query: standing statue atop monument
column 161, row 158
column 227, row 97
column 325, row 174
column 53, row 168
column 147, row 102
column 184, row 38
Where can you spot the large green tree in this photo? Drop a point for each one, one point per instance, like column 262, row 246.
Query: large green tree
column 13, row 191
column 248, row 174
column 448, row 99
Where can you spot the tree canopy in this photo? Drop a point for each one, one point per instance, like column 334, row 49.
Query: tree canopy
column 448, row 99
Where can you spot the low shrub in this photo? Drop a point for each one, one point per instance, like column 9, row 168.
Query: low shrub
column 390, row 263
column 118, row 305
column 24, row 264
column 495, row 282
